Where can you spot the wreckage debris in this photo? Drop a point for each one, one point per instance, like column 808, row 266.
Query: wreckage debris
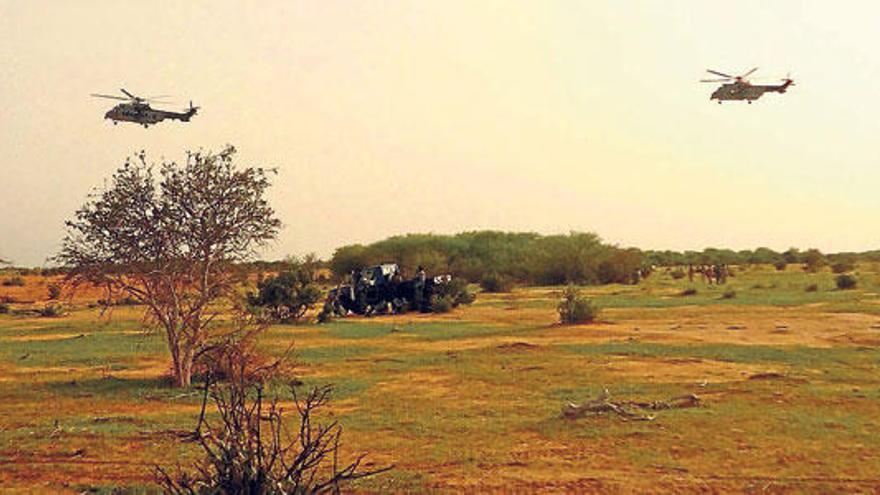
column 628, row 410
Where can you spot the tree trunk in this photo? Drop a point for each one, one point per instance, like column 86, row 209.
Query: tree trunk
column 182, row 363
column 183, row 370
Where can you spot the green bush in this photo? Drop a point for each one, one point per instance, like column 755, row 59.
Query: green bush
column 285, row 298
column 845, row 282
column 456, row 290
column 728, row 294
column 122, row 301
column 689, row 292
column 575, row 308
column 496, row 283
column 812, row 288
column 677, row 274
column 16, row 281
column 780, row 265
column 4, row 308
column 442, row 304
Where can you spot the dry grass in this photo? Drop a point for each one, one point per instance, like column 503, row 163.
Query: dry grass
column 470, row 401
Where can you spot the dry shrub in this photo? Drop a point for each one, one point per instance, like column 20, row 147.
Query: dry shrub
column 575, row 308
column 250, row 448
column 15, row 281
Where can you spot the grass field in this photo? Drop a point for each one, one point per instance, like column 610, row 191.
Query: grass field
column 471, row 401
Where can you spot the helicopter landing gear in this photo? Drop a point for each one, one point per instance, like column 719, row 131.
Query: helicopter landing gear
column 146, row 126
column 719, row 102
column 750, row 102
column 115, row 123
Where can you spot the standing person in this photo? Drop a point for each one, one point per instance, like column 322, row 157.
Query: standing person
column 419, row 288
column 360, row 291
column 691, row 273
column 352, row 284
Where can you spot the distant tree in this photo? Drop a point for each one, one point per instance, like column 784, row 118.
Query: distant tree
column 792, row 255
column 813, row 260
column 764, row 255
column 171, row 242
column 348, row 258
column 620, row 267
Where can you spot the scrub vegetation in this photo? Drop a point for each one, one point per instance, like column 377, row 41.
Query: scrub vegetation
column 788, row 382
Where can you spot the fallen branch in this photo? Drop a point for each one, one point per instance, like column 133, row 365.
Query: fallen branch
column 627, row 410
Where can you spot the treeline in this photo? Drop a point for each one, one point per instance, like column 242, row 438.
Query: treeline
column 579, row 258
column 761, row 255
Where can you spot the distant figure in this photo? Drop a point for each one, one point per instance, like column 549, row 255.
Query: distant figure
column 354, row 276
column 419, row 288
column 691, row 273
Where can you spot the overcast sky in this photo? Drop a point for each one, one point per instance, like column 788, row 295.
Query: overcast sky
column 391, row 117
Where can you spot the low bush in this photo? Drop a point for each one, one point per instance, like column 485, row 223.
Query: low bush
column 16, row 281
column 456, row 290
column 843, row 267
column 442, row 304
column 729, row 294
column 122, row 301
column 54, row 291
column 496, row 283
column 689, row 292
column 845, row 282
column 677, row 274
column 780, row 265
column 575, row 308
column 52, row 311
column 812, row 288
column 287, row 297
column 4, row 308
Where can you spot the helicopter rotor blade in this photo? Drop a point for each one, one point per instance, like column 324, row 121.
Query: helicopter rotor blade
column 719, row 73
column 110, row 97
column 714, row 80
column 748, row 73
column 133, row 97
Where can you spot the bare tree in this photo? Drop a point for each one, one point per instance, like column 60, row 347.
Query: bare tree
column 172, row 242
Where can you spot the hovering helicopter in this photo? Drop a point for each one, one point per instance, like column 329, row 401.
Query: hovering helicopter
column 138, row 110
column 738, row 88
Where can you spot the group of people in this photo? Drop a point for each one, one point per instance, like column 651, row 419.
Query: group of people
column 716, row 274
column 379, row 289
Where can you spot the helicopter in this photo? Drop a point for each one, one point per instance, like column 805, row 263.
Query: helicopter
column 138, row 110
column 739, row 88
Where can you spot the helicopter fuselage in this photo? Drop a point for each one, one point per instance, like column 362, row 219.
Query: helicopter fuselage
column 745, row 91
column 142, row 113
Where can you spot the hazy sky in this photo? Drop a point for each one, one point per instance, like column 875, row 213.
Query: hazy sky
column 393, row 117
